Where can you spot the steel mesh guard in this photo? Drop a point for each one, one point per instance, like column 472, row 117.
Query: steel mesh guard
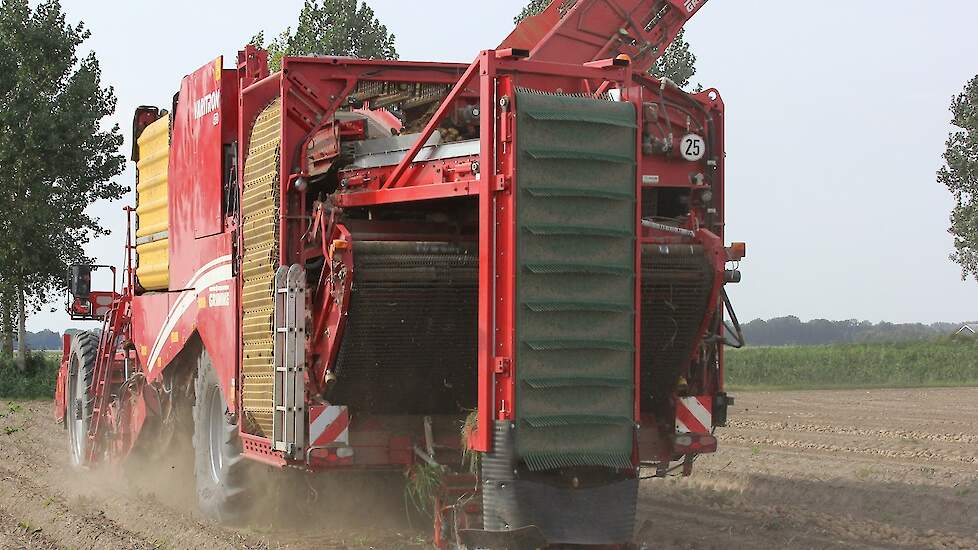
column 259, row 218
column 575, row 285
column 411, row 338
column 676, row 284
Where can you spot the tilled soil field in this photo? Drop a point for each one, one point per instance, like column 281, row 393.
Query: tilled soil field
column 820, row 469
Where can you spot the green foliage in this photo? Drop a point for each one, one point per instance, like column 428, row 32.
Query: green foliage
column 36, row 382
column 677, row 62
column 55, row 156
column 950, row 361
column 470, row 458
column 423, row 483
column 791, row 330
column 533, row 8
column 332, row 27
column 960, row 176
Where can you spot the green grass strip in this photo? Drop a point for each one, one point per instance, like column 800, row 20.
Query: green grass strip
column 944, row 362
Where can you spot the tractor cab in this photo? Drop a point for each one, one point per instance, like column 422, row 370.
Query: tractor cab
column 83, row 303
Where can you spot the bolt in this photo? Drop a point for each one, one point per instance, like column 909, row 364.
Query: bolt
column 504, row 102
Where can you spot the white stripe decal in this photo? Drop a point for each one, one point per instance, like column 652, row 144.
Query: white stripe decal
column 215, row 271
column 680, row 427
column 208, row 265
column 323, row 421
column 699, row 411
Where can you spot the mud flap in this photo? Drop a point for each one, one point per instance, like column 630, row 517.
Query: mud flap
column 575, row 284
column 524, row 538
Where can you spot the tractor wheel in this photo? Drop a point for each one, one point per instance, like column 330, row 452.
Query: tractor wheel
column 78, row 402
column 219, row 468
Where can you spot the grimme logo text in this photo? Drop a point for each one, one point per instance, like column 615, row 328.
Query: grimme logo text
column 207, row 104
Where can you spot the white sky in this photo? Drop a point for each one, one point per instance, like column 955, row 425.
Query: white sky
column 837, row 113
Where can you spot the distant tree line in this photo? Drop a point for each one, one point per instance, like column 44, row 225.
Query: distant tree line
column 37, row 341
column 43, row 340
column 792, row 331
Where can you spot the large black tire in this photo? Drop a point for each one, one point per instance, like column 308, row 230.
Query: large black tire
column 220, row 471
column 78, row 402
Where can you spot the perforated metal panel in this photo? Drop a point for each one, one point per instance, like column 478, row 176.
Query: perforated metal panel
column 259, row 213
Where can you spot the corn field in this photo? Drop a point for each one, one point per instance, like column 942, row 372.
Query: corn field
column 942, row 362
column 37, row 381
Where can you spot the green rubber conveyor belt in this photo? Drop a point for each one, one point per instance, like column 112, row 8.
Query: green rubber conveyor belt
column 575, row 284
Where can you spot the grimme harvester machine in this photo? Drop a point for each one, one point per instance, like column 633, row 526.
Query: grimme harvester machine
column 378, row 265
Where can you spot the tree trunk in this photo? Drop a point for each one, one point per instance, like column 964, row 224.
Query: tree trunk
column 21, row 330
column 6, row 326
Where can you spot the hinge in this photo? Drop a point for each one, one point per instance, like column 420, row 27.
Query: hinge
column 503, row 366
column 506, row 127
column 502, row 182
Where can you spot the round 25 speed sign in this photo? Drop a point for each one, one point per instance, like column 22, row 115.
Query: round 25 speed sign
column 692, row 147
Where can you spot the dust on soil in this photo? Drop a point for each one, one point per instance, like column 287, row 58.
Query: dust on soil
column 820, row 469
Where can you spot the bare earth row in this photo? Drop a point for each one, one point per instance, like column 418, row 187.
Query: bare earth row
column 825, row 469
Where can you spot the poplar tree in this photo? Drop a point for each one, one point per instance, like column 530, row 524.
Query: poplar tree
column 960, row 176
column 332, row 27
column 56, row 157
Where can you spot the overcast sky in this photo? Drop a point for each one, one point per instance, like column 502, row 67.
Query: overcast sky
column 837, row 113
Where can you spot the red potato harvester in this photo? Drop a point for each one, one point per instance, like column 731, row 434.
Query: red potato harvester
column 353, row 265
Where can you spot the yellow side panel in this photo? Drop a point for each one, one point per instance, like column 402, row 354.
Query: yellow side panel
column 152, row 225
column 154, row 265
column 259, row 213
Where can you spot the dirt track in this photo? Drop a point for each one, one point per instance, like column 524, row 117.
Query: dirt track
column 854, row 469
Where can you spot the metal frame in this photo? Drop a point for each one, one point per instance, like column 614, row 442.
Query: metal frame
column 288, row 418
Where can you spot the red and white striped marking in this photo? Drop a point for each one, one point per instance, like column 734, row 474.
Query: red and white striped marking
column 329, row 426
column 694, row 414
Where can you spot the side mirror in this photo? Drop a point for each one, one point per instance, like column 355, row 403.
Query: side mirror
column 80, row 285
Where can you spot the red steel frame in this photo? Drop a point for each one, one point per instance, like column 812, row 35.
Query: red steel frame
column 498, row 72
column 493, row 75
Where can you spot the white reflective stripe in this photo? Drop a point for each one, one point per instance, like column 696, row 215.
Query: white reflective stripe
column 680, row 427
column 327, row 419
column 216, row 261
column 323, row 421
column 329, row 415
column 697, row 409
column 217, row 275
column 212, row 273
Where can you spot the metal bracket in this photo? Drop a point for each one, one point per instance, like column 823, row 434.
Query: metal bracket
column 503, row 365
column 502, row 183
